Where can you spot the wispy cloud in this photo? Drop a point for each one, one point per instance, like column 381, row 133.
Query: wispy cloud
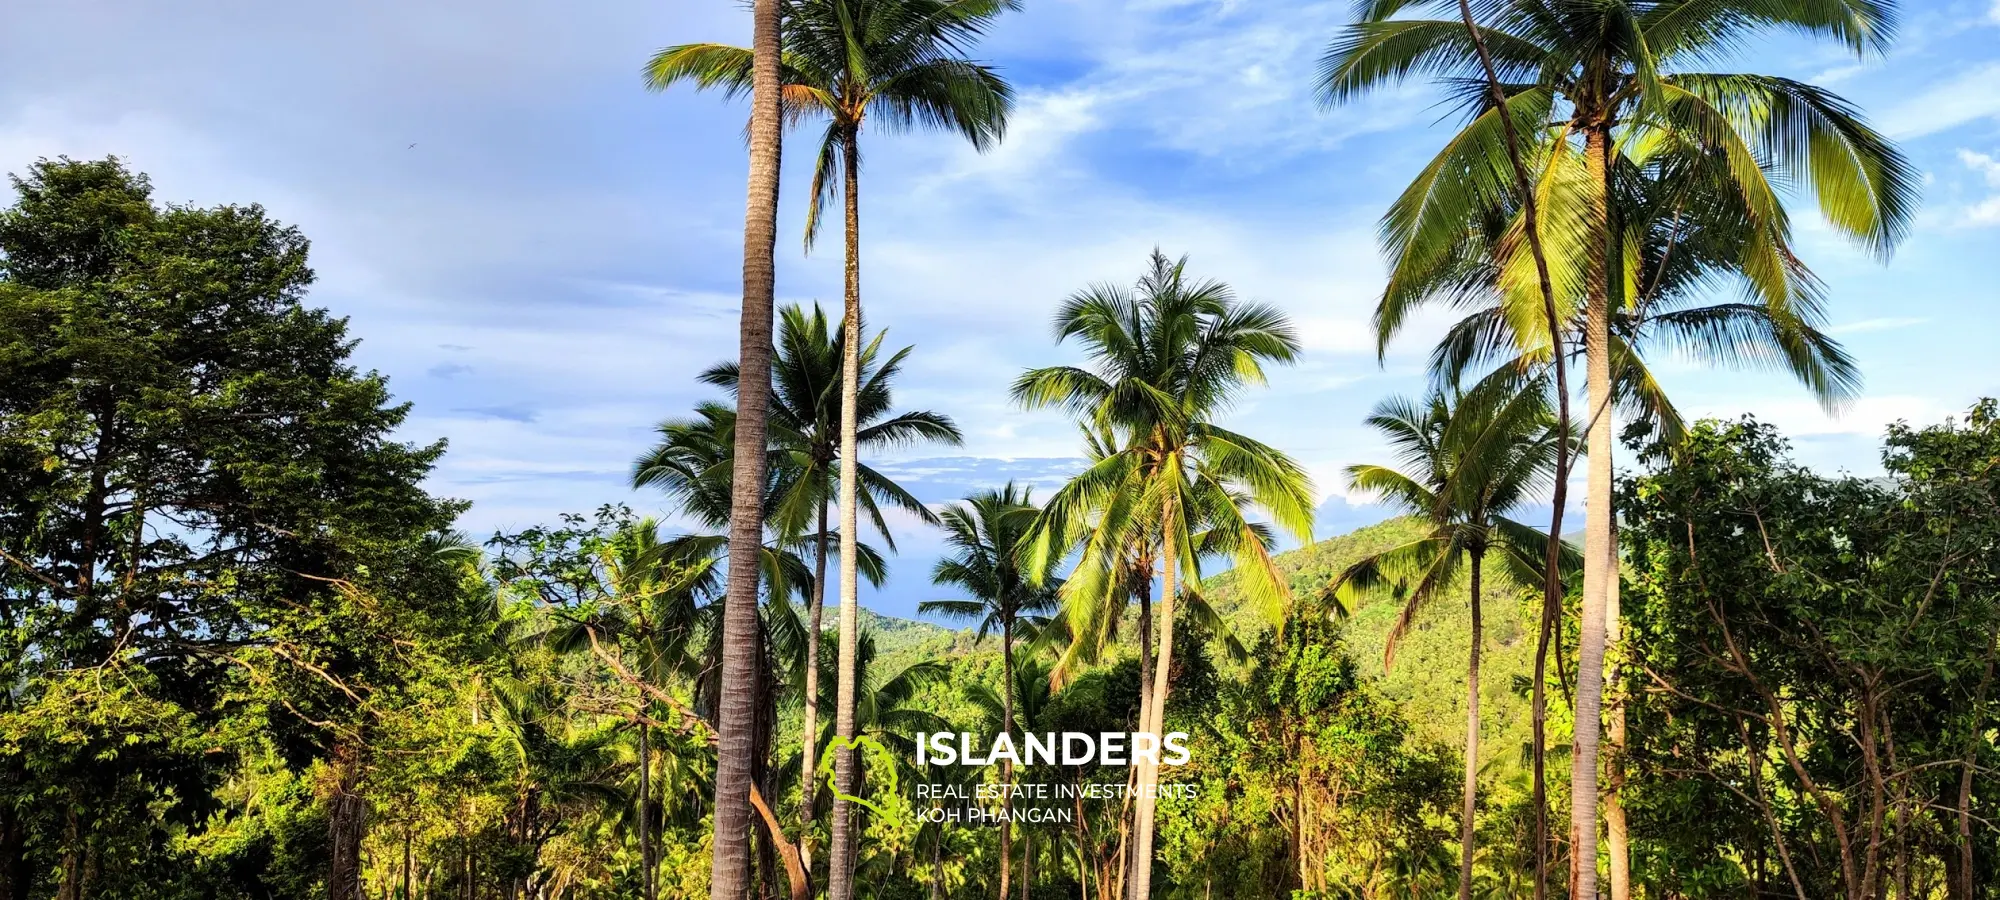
column 1972, row 95
column 1881, row 324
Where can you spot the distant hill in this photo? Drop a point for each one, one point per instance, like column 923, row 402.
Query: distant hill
column 1428, row 678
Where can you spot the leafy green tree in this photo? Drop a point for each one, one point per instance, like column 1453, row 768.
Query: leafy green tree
column 987, row 535
column 1166, row 360
column 1616, row 71
column 208, row 528
column 1311, row 781
column 1814, row 652
column 1466, row 461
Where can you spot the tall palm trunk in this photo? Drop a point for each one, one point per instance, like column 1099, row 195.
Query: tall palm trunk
column 1617, row 834
column 729, row 873
column 1006, row 766
column 1471, row 802
column 840, row 878
column 1596, row 537
column 809, row 733
column 1140, row 883
column 646, row 883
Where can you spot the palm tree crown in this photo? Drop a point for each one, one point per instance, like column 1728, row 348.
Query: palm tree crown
column 1168, row 484
column 903, row 61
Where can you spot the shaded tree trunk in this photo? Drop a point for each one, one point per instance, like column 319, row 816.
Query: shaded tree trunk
column 16, row 875
column 1006, row 766
column 1469, row 806
column 809, row 732
column 840, row 879
column 729, row 870
column 1596, row 543
column 646, row 885
column 1963, row 885
column 346, row 826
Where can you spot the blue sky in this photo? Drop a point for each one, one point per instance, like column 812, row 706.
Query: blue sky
column 540, row 254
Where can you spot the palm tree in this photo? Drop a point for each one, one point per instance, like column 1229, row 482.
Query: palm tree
column 890, row 709
column 729, row 876
column 1026, row 690
column 987, row 534
column 904, row 61
column 1467, row 461
column 1686, row 241
column 805, row 440
column 1166, row 361
column 1614, row 68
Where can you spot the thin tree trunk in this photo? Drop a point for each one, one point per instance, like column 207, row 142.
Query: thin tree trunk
column 1596, row 544
column 809, row 734
column 840, row 881
column 1144, row 588
column 408, row 863
column 1027, row 861
column 1552, row 574
column 937, row 865
column 1966, row 887
column 1140, row 881
column 729, row 873
column 646, row 884
column 1539, row 743
column 1470, row 805
column 1616, row 830
column 1006, row 766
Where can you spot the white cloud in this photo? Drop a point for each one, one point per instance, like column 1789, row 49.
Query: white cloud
column 1986, row 211
column 1973, row 95
column 1881, row 324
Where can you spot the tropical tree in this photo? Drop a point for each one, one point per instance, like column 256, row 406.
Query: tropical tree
column 649, row 613
column 1166, row 360
column 1464, row 462
column 804, row 430
column 1614, row 72
column 904, row 61
column 1025, row 695
column 760, row 77
column 987, row 535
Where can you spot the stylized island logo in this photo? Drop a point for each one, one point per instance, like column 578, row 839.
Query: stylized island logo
column 875, row 752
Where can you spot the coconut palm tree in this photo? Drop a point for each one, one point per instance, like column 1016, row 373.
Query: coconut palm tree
column 805, row 444
column 1465, row 462
column 729, row 877
column 904, row 62
column 1024, row 699
column 1166, row 360
column 1615, row 70
column 987, row 534
column 1686, row 241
